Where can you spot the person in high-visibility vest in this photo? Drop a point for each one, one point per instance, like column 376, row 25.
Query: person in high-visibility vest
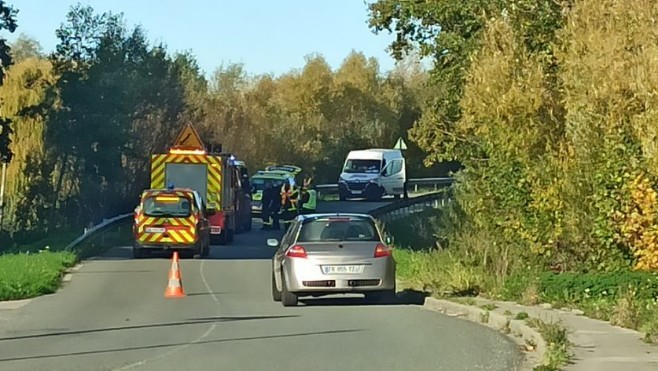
column 308, row 198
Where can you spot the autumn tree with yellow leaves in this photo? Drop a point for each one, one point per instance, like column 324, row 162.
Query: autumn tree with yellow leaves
column 550, row 106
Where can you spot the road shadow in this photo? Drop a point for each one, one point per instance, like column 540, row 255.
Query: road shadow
column 405, row 297
column 177, row 344
column 117, row 271
column 192, row 321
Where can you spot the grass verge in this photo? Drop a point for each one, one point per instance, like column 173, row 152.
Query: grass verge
column 26, row 275
column 557, row 341
column 37, row 268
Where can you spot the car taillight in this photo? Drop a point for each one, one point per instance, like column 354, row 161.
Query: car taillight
column 296, row 251
column 382, row 250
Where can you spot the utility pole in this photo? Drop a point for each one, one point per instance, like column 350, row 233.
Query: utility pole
column 2, row 191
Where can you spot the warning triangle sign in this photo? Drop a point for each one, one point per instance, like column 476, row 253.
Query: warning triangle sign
column 189, row 138
column 400, row 144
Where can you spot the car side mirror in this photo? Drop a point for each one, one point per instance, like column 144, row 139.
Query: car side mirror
column 272, row 242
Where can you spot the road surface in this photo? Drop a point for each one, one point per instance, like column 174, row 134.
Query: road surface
column 112, row 316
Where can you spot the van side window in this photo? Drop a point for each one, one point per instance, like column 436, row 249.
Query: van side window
column 396, row 167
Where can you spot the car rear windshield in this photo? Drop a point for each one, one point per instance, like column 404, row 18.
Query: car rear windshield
column 338, row 229
column 167, row 205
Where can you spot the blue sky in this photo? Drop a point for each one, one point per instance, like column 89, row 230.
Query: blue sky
column 267, row 36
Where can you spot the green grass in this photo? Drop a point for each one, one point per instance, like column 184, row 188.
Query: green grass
column 26, row 275
column 439, row 272
column 38, row 266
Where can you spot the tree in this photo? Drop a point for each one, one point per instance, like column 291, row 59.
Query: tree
column 25, row 47
column 23, row 94
column 7, row 22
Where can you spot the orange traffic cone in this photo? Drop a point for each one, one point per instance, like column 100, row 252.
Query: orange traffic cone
column 175, row 286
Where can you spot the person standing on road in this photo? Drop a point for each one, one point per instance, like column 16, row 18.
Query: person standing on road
column 267, row 202
column 288, row 203
column 308, row 198
column 275, row 207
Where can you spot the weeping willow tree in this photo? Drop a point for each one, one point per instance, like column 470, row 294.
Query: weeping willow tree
column 23, row 95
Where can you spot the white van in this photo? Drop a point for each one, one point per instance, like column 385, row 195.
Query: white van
column 373, row 173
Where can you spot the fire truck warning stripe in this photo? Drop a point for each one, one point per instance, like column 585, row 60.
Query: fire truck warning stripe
column 158, row 171
column 214, row 185
column 158, row 160
column 186, row 236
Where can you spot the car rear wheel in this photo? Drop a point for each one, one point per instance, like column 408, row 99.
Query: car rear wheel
column 276, row 294
column 288, row 299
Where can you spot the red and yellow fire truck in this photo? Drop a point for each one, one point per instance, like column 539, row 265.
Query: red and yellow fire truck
column 215, row 176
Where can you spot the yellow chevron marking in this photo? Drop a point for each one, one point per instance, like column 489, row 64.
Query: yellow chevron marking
column 186, row 236
column 175, row 236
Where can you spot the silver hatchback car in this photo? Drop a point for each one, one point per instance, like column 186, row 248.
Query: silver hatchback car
column 324, row 254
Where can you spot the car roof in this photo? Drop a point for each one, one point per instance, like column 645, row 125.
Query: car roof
column 376, row 150
column 272, row 175
column 329, row 215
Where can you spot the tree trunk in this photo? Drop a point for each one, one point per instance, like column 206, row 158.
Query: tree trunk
column 58, row 188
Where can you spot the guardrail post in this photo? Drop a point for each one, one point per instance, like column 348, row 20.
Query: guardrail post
column 416, row 188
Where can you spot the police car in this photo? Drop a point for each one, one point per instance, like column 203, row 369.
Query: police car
column 276, row 176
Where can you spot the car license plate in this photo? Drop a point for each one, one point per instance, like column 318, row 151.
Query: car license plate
column 342, row 269
column 357, row 192
column 155, row 230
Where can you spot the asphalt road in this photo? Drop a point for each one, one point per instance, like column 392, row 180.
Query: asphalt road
column 112, row 316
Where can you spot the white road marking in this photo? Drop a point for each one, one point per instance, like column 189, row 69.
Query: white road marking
column 184, row 346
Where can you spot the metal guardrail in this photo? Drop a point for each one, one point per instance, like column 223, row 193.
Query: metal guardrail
column 415, row 182
column 404, row 208
column 104, row 224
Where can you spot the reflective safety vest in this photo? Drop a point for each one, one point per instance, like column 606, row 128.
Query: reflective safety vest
column 312, row 200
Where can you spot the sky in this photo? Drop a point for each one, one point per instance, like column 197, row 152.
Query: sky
column 266, row 36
